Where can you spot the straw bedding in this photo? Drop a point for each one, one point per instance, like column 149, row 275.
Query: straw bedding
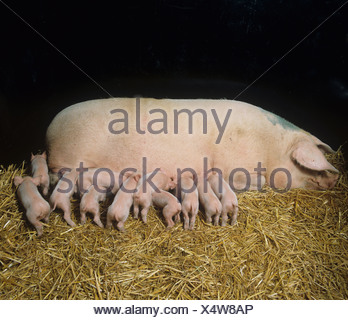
column 285, row 246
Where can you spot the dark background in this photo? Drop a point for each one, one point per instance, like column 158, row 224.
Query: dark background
column 174, row 49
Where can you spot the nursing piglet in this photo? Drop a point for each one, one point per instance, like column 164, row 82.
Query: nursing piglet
column 39, row 169
column 169, row 204
column 36, row 206
column 227, row 197
column 188, row 193
column 211, row 204
column 62, row 193
column 148, row 184
column 119, row 209
column 90, row 203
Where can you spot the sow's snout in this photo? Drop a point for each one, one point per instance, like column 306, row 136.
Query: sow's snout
column 323, row 180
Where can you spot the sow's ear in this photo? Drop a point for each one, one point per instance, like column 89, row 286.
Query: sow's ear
column 325, row 148
column 308, row 155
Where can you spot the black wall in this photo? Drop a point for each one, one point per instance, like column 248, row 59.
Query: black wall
column 175, row 49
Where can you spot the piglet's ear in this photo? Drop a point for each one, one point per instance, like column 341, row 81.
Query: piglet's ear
column 308, row 155
column 126, row 175
column 137, row 177
column 172, row 184
column 36, row 180
column 32, row 156
column 44, row 155
column 162, row 170
column 17, row 180
column 175, row 179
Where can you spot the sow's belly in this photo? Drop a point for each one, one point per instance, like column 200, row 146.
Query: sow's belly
column 143, row 134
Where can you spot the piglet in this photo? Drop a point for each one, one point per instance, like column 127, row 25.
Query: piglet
column 90, row 203
column 36, row 206
column 170, row 205
column 142, row 198
column 212, row 205
column 119, row 209
column 188, row 194
column 227, row 197
column 39, row 169
column 62, row 193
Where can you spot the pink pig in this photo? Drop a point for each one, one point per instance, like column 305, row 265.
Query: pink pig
column 62, row 193
column 90, row 203
column 209, row 200
column 119, row 209
column 232, row 135
column 36, row 206
column 39, row 169
column 227, row 197
column 170, row 205
column 143, row 196
column 189, row 201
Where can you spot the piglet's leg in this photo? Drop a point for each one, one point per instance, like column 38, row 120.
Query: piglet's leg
column 186, row 218
column 144, row 213
column 193, row 220
column 35, row 222
column 46, row 219
column 97, row 219
column 224, row 217
column 109, row 219
column 67, row 218
column 45, row 191
column 208, row 218
column 234, row 215
column 177, row 218
column 121, row 219
column 98, row 222
column 120, row 226
column 216, row 219
column 168, row 216
column 83, row 216
column 67, row 214
column 135, row 211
